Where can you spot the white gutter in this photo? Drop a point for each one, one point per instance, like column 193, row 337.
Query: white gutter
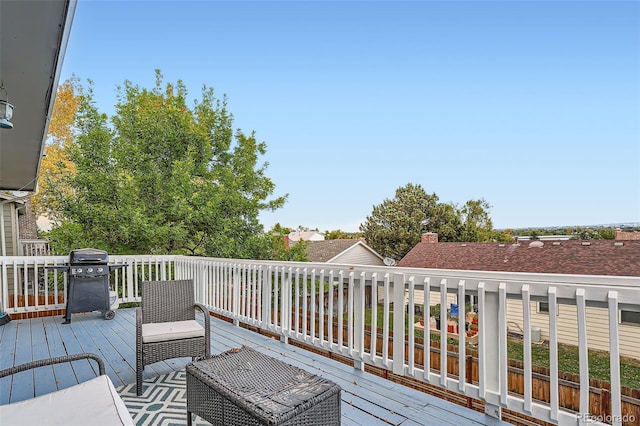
column 57, row 67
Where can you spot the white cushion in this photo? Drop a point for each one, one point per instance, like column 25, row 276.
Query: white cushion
column 94, row 402
column 163, row 331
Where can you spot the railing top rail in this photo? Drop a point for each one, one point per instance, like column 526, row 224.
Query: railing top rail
column 418, row 274
column 513, row 277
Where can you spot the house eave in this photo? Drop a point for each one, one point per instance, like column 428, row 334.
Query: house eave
column 33, row 42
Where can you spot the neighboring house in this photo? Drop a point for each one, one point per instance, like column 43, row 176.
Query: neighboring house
column 581, row 257
column 626, row 236
column 295, row 236
column 18, row 236
column 19, row 228
column 344, row 251
column 9, row 212
column 349, row 251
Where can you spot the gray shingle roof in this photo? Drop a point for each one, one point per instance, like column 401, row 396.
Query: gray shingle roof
column 322, row 251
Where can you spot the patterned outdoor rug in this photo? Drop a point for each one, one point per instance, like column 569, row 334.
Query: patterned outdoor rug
column 164, row 401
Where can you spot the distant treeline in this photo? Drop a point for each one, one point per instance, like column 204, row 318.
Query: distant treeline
column 595, row 232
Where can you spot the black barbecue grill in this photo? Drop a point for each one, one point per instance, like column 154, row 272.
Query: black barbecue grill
column 88, row 282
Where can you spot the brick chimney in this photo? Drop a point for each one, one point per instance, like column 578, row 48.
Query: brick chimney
column 27, row 223
column 429, row 237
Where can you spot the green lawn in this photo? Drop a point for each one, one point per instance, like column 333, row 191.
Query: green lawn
column 568, row 362
column 567, row 356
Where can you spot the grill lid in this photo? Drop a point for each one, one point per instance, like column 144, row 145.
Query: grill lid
column 88, row 255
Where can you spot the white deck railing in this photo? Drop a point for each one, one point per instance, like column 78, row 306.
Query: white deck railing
column 33, row 248
column 324, row 305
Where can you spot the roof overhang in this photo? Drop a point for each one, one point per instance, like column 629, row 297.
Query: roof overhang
column 33, row 41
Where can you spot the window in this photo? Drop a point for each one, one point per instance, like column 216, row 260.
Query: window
column 543, row 308
column 630, row 317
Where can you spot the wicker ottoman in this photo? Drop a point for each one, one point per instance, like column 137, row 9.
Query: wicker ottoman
column 246, row 387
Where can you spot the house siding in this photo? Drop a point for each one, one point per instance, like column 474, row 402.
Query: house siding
column 10, row 242
column 597, row 327
column 358, row 255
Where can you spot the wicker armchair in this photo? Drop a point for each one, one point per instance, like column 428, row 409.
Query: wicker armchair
column 166, row 327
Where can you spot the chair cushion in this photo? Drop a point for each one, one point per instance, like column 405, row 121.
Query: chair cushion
column 94, row 402
column 163, row 331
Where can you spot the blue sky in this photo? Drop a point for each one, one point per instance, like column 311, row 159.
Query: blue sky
column 533, row 106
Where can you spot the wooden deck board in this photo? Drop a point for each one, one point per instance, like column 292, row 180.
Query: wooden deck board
column 23, row 386
column 7, row 353
column 44, row 380
column 63, row 373
column 366, row 399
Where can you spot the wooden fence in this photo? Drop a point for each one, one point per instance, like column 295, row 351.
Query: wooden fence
column 568, row 383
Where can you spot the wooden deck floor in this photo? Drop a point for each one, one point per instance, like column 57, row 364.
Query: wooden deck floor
column 366, row 399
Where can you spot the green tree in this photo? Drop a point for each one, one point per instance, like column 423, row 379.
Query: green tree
column 395, row 226
column 166, row 178
column 282, row 250
column 587, row 234
column 477, row 223
column 504, row 236
column 608, row 233
column 55, row 162
column 338, row 234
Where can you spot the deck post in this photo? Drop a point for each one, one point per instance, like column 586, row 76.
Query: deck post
column 358, row 320
column 489, row 349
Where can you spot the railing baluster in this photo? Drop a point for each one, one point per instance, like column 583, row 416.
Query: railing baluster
column 359, row 326
column 260, row 295
column 526, row 318
column 553, row 353
column 385, row 318
column 350, row 314
column 614, row 358
column 412, row 333
column 374, row 317
column 341, row 311
column 444, row 337
column 330, row 314
column 312, row 334
column 305, row 310
column 296, row 284
column 276, row 305
column 583, row 352
column 25, row 282
column 462, row 337
column 426, row 314
column 321, row 299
